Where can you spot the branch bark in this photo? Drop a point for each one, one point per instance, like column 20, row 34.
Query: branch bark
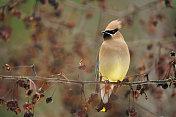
column 59, row 80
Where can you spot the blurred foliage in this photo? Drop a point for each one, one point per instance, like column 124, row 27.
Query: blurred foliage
column 56, row 36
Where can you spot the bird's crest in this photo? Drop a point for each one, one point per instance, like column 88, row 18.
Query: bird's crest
column 115, row 24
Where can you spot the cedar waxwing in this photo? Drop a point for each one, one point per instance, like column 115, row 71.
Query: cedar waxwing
column 113, row 59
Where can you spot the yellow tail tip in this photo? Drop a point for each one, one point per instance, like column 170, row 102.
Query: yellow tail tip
column 103, row 110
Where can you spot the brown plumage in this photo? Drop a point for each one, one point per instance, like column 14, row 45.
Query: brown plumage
column 114, row 58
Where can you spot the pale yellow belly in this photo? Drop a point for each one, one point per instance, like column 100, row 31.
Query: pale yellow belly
column 114, row 67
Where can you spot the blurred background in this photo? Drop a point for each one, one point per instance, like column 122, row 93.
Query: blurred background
column 55, row 35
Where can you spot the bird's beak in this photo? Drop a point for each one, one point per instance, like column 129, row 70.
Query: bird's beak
column 103, row 32
column 106, row 35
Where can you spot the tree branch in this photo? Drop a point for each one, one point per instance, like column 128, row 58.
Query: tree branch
column 59, row 80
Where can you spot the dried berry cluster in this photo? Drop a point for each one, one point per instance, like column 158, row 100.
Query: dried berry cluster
column 24, row 84
column 164, row 86
column 28, row 107
column 53, row 3
column 131, row 111
column 5, row 33
column 13, row 106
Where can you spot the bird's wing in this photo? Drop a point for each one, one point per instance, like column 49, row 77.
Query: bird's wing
column 97, row 70
column 97, row 73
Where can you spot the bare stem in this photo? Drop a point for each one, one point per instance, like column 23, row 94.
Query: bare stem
column 58, row 80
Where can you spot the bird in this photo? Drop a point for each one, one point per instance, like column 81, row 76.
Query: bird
column 113, row 60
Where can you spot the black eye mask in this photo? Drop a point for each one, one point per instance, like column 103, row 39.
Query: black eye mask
column 107, row 34
column 111, row 31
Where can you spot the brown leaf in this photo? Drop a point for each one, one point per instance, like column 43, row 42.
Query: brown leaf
column 81, row 66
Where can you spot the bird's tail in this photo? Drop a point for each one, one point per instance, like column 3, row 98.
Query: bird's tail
column 106, row 91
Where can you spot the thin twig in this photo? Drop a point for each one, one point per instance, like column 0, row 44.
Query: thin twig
column 111, row 12
column 34, row 70
column 58, row 80
column 35, row 8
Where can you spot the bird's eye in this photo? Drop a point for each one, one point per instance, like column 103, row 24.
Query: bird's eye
column 111, row 31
